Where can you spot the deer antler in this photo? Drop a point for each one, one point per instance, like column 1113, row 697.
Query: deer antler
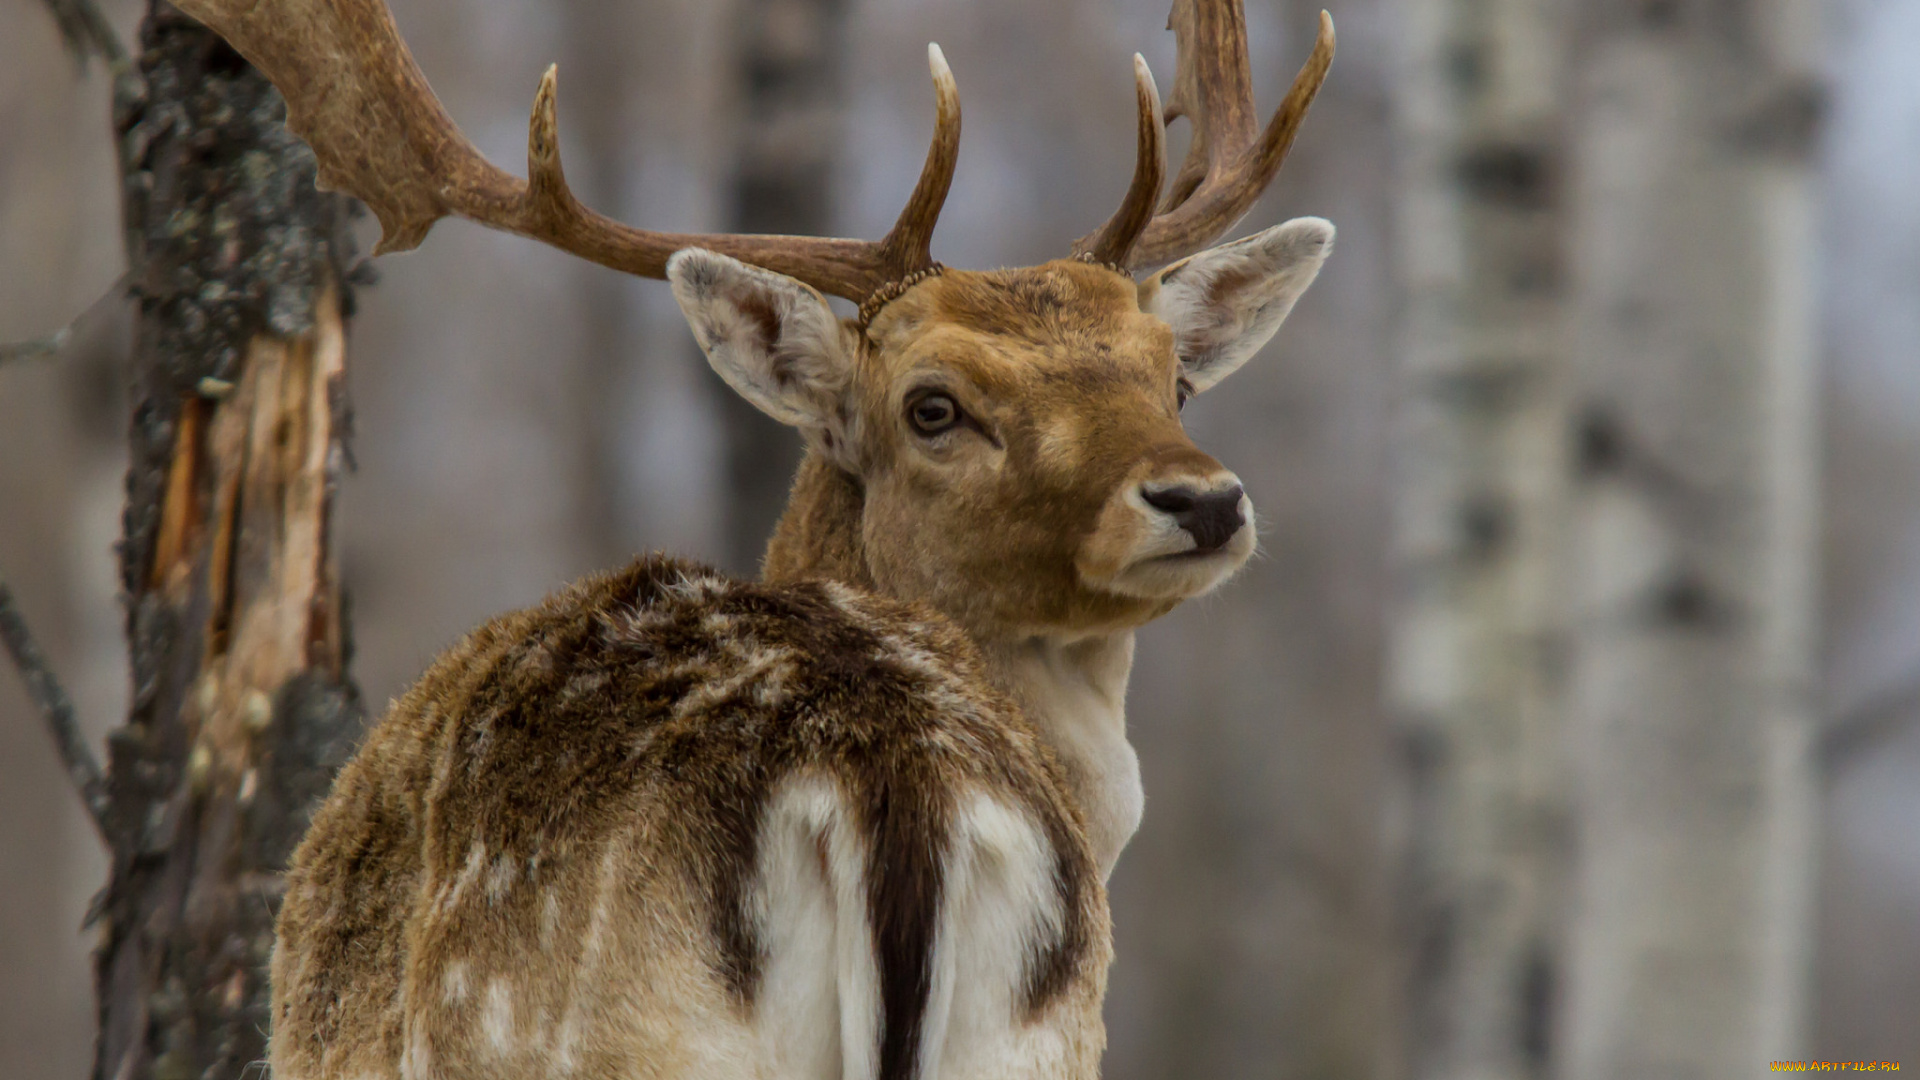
column 1230, row 162
column 1117, row 237
column 356, row 96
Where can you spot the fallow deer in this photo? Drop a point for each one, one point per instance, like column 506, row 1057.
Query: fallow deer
column 854, row 819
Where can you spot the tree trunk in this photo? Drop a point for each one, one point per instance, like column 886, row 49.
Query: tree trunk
column 788, row 71
column 1476, row 683
column 1693, row 662
column 597, row 38
column 241, row 705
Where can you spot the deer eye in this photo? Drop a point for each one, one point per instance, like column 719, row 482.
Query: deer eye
column 932, row 414
column 1182, row 390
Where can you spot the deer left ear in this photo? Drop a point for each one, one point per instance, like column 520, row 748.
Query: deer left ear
column 773, row 339
column 1226, row 302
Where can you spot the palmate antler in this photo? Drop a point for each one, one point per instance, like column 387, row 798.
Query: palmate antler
column 356, row 96
column 1231, row 161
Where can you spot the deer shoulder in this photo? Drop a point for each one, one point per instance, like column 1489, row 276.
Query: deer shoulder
column 670, row 823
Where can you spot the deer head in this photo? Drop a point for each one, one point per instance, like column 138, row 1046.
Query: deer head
column 1014, row 437
column 1003, row 445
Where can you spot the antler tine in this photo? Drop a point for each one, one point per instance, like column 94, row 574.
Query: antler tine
column 548, row 196
column 909, row 244
column 1114, row 240
column 1228, row 164
column 1228, row 167
column 545, row 209
column 378, row 132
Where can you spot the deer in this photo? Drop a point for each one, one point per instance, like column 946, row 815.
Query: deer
column 855, row 818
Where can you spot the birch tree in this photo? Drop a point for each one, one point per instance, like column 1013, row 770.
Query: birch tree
column 1475, row 677
column 236, row 623
column 1692, row 689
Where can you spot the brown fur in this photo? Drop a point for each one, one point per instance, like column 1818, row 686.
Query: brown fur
column 1061, row 343
column 645, row 716
column 557, row 856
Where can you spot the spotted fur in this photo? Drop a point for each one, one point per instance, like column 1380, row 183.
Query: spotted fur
column 570, row 784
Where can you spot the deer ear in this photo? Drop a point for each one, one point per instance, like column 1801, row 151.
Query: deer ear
column 773, row 339
column 1226, row 302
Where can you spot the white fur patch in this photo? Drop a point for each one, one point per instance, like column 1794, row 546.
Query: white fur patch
column 416, row 1061
column 593, row 950
column 469, row 873
column 453, row 986
column 1076, row 692
column 696, row 588
column 818, row 1004
column 500, row 878
column 764, row 669
column 850, row 603
column 496, row 1016
column 1000, row 907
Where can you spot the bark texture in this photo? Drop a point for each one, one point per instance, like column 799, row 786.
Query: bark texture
column 241, row 705
column 1692, row 699
column 1476, row 675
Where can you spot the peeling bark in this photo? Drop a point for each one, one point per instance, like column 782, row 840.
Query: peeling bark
column 242, row 707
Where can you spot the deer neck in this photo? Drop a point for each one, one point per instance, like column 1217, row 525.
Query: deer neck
column 1075, row 692
column 819, row 534
column 1072, row 688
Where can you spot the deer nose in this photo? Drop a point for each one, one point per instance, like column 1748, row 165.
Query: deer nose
column 1211, row 516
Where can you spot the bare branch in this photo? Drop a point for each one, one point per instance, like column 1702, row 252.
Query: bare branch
column 87, row 32
column 49, row 346
column 56, row 707
column 1869, row 722
column 52, row 345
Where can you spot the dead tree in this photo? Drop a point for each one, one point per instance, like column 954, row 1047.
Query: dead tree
column 236, row 621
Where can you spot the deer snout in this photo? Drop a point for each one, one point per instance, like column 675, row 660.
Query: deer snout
column 1212, row 517
column 1138, row 549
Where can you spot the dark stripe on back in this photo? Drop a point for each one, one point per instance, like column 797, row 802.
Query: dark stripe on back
column 737, row 840
column 845, row 705
column 1052, row 965
column 909, row 831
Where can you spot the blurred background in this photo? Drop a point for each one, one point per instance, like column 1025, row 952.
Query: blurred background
column 1569, row 722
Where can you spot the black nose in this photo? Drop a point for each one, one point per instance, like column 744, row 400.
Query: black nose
column 1212, row 518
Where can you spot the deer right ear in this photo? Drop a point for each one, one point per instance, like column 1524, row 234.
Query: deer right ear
column 1226, row 302
column 773, row 339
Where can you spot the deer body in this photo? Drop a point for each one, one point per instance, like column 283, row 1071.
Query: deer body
column 669, row 824
column 854, row 820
